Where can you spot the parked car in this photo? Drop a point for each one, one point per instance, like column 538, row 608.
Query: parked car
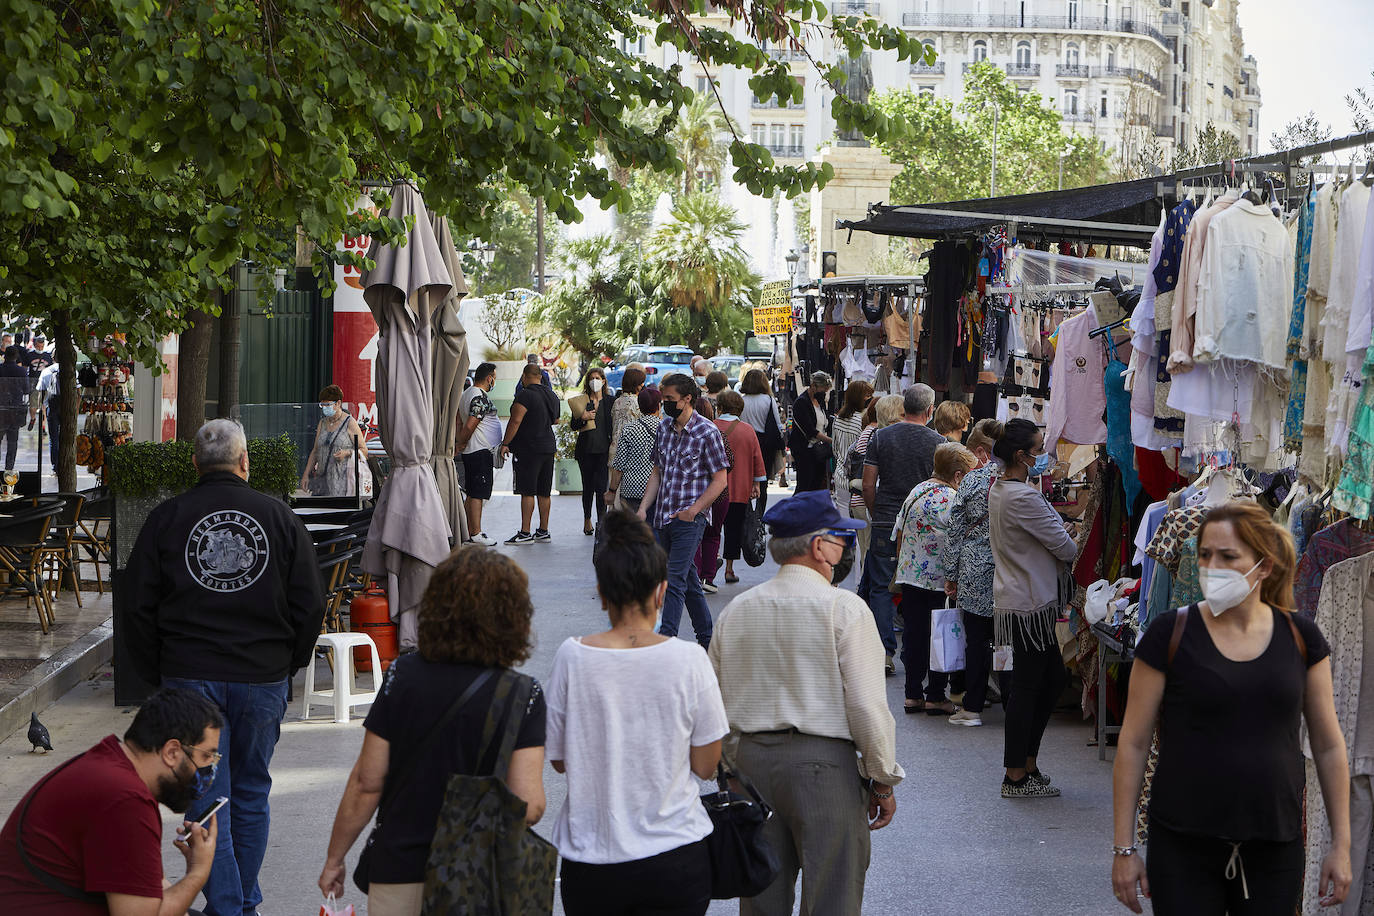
column 657, row 362
column 729, row 363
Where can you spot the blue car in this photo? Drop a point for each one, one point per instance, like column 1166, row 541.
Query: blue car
column 657, row 362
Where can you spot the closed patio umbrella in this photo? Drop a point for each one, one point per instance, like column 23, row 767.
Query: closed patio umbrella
column 410, row 528
column 449, row 357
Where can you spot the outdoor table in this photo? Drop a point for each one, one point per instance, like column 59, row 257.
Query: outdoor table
column 319, row 530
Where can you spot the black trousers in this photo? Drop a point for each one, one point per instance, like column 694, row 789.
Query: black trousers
column 673, row 883
column 734, row 530
column 11, row 436
column 917, row 603
column 595, row 479
column 1037, row 679
column 1188, row 875
column 978, row 664
column 811, row 474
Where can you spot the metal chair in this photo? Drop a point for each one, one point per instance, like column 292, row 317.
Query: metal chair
column 59, row 550
column 92, row 534
column 334, row 570
column 23, row 536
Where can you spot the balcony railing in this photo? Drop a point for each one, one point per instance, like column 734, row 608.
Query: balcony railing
column 854, row 8
column 1131, row 73
column 788, row 54
column 1072, row 71
column 773, row 103
column 1085, row 116
column 1023, row 71
column 937, row 68
column 1044, row 23
column 1167, row 129
column 786, row 150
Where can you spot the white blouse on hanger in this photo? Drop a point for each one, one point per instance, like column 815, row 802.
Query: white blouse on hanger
column 1357, row 340
column 1345, row 263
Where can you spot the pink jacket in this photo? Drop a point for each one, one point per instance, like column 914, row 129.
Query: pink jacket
column 744, row 445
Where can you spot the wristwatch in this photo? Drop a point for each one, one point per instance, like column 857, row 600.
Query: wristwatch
column 1124, row 850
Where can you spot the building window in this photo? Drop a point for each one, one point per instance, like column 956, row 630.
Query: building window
column 1071, row 55
column 929, row 43
column 1175, row 89
column 1073, row 14
column 980, row 51
column 1252, row 117
column 1185, row 58
column 1111, row 57
column 703, row 85
column 631, row 45
column 777, row 135
column 925, row 92
column 797, row 137
column 759, row 133
column 1071, row 103
column 1023, row 55
column 1102, row 105
column 1023, row 90
column 1023, row 14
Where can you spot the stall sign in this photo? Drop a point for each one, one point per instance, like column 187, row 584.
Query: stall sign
column 355, row 332
column 773, row 314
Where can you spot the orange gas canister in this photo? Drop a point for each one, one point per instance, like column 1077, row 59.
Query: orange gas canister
column 369, row 613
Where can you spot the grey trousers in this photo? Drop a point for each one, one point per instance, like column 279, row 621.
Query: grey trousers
column 819, row 826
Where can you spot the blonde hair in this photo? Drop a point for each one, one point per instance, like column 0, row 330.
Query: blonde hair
column 984, row 435
column 1268, row 540
column 889, row 409
column 951, row 416
column 950, row 459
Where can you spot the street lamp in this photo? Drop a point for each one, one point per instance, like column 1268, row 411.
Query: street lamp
column 792, row 257
column 484, row 252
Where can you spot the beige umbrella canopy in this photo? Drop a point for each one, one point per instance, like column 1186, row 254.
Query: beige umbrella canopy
column 449, row 357
column 410, row 528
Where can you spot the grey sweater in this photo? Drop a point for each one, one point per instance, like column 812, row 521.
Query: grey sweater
column 1030, row 545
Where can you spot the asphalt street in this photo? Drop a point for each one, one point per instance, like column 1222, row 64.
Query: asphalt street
column 954, row 847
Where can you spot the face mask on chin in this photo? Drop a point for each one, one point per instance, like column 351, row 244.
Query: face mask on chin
column 178, row 793
column 1223, row 589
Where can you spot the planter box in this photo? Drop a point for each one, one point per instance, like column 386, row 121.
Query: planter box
column 567, row 476
column 130, row 512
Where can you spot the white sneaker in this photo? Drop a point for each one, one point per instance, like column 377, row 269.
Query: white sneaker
column 966, row 718
column 485, row 540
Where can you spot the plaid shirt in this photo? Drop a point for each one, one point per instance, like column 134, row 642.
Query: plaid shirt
column 686, row 460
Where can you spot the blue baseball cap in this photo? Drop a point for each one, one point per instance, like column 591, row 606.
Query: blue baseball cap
column 807, row 512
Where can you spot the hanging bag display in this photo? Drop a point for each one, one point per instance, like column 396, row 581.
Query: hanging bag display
column 484, row 859
column 948, row 641
column 754, row 540
column 743, row 863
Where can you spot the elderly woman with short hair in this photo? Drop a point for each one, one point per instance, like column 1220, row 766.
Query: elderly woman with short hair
column 474, row 625
column 809, row 438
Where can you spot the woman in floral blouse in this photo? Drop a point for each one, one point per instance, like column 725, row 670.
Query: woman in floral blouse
column 967, row 559
column 920, row 534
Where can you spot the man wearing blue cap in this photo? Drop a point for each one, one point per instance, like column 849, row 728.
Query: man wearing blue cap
column 800, row 667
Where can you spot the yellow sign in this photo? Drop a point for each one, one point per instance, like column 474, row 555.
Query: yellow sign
column 772, row 319
column 773, row 315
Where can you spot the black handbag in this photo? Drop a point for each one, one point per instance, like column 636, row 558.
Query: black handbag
column 753, row 541
column 743, row 863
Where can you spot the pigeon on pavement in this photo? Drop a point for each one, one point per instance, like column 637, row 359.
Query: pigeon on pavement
column 38, row 735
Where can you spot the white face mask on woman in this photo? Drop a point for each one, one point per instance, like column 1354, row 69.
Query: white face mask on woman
column 1225, row 588
column 596, row 384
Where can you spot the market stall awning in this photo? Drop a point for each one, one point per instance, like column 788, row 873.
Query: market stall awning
column 1124, row 213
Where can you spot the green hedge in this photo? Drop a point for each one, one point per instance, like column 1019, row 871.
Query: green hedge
column 145, row 468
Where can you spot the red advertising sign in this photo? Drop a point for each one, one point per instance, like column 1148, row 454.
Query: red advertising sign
column 355, row 333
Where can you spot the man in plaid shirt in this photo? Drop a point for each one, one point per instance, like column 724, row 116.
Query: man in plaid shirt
column 690, row 471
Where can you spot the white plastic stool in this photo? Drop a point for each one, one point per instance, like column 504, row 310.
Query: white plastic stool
column 344, row 695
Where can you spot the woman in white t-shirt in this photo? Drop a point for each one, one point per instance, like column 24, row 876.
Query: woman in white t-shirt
column 631, row 715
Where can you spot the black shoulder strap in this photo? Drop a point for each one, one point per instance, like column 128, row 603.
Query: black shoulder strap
column 1176, row 637
column 507, row 714
column 423, row 748
column 50, row 881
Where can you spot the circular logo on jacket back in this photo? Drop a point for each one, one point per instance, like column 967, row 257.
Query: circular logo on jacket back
column 227, row 551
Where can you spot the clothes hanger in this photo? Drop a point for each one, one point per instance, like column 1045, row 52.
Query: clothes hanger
column 1368, row 177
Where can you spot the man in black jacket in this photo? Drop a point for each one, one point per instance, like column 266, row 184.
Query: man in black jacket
column 14, row 399
column 226, row 600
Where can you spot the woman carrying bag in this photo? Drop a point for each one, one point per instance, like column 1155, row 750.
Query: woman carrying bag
column 809, row 438
column 761, row 412
column 425, row 732
column 632, row 715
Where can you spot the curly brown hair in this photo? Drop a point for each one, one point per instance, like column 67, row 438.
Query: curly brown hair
column 477, row 610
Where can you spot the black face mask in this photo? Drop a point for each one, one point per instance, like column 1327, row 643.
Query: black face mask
column 672, row 409
column 840, row 571
column 177, row 793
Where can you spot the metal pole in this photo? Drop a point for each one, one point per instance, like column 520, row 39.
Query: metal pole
column 539, row 246
column 1061, row 172
column 995, row 112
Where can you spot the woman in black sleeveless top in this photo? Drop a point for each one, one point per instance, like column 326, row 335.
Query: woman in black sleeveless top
column 1229, row 682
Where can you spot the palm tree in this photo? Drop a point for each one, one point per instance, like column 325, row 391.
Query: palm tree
column 695, row 258
column 582, row 308
column 698, row 140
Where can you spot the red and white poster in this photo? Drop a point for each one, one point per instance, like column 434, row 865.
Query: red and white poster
column 355, row 332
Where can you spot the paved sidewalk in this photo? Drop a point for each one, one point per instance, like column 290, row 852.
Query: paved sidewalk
column 955, row 847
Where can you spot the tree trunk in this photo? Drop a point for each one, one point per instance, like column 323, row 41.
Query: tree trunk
column 193, row 365
column 69, row 400
column 230, row 339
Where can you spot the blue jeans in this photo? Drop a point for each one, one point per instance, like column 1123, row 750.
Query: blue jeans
column 879, row 566
column 680, row 540
column 252, row 723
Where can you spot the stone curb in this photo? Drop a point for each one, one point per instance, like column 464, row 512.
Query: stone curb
column 46, row 683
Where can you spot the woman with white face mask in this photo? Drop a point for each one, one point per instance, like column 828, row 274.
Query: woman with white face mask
column 330, row 467
column 1229, row 680
column 593, row 425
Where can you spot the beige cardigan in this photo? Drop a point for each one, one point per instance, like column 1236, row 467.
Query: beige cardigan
column 1030, row 546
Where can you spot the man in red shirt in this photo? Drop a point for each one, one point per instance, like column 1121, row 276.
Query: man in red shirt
column 91, row 833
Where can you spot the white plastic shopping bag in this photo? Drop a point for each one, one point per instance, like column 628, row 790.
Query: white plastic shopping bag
column 1001, row 658
column 331, row 908
column 947, row 640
